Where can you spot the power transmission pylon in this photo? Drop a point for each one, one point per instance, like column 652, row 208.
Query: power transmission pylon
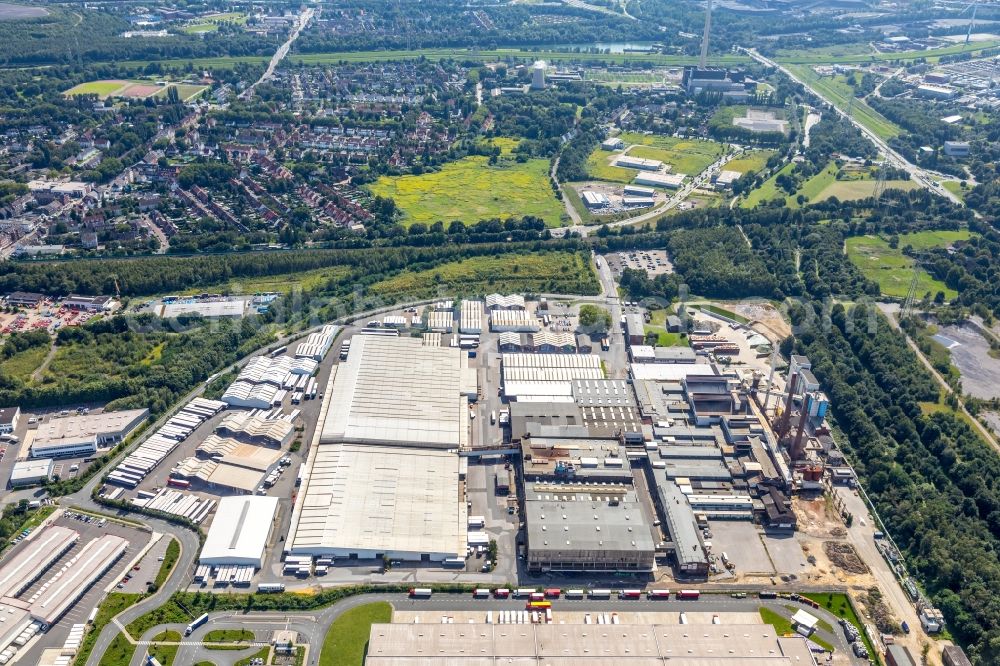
column 880, row 182
column 911, row 295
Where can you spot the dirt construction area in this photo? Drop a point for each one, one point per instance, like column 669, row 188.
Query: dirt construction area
column 766, row 318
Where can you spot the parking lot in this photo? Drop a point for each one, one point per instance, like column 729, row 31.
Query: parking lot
column 80, row 612
column 654, row 262
column 743, row 544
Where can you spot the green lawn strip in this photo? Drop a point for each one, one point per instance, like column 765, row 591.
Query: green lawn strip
column 112, row 605
column 169, row 559
column 165, row 654
column 38, row 516
column 119, row 652
column 346, row 641
column 205, row 663
column 227, row 636
column 263, row 653
column 840, row 605
column 783, row 626
column 168, row 613
column 724, row 313
column 471, row 190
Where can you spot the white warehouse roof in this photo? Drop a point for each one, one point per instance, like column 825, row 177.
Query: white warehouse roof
column 239, row 531
column 398, row 391
column 399, row 501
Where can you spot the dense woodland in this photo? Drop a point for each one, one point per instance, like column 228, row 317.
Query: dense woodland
column 67, row 36
column 935, row 483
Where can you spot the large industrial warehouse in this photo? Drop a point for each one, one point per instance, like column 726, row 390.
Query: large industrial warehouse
column 468, row 644
column 383, row 479
column 239, row 531
column 397, row 392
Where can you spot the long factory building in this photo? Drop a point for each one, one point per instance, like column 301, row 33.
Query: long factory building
column 382, row 479
column 480, row 644
column 69, row 576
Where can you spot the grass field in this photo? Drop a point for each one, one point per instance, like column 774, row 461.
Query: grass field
column 749, row 162
column 471, row 190
column 211, row 23
column 892, row 270
column 549, row 272
column 839, row 94
column 347, row 639
column 624, row 78
column 768, row 190
column 22, row 364
column 862, row 53
column 119, row 652
column 955, row 187
column 261, row 654
column 683, row 156
column 185, row 91
column 102, row 88
column 282, row 283
column 850, row 190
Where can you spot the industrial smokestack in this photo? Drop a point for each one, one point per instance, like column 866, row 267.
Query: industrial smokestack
column 797, row 450
column 704, row 39
column 784, row 423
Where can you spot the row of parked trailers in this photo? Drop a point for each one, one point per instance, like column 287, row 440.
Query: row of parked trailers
column 144, row 459
column 514, row 617
column 534, row 594
column 175, row 502
column 29, row 631
column 232, row 574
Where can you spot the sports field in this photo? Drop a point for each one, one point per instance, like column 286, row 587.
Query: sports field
column 211, row 22
column 102, row 89
column 892, row 269
column 471, row 190
column 135, row 89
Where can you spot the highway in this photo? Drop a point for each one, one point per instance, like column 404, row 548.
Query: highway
column 279, row 55
column 923, row 177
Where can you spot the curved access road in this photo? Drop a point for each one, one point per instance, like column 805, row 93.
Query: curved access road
column 312, row 625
